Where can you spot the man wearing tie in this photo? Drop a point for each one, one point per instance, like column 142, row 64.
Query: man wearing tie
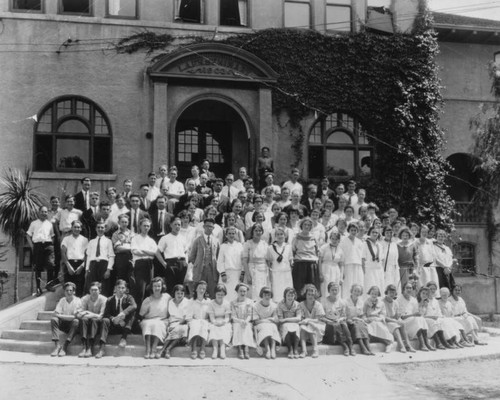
column 350, row 195
column 223, row 201
column 153, row 191
column 160, row 219
column 203, row 256
column 229, row 190
column 127, row 191
column 144, row 202
column 82, row 198
column 184, row 200
column 162, row 179
column 136, row 214
column 100, row 259
column 312, row 191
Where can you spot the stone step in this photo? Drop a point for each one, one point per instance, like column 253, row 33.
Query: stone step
column 36, row 325
column 45, row 315
column 46, row 336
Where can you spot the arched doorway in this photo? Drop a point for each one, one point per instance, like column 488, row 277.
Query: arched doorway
column 213, row 130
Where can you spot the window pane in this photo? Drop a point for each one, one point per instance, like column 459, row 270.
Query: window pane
column 339, row 2
column 73, row 126
column 27, row 5
column 362, row 138
column 214, row 153
column 339, row 137
column 73, row 153
column 189, row 10
column 365, row 163
column 315, row 162
column 332, row 121
column 101, row 127
column 43, row 153
column 102, row 154
column 83, row 109
column 122, row 8
column 315, row 136
column 45, row 122
column 75, row 6
column 338, row 18
column 233, row 12
column 63, row 108
column 297, row 15
column 340, row 163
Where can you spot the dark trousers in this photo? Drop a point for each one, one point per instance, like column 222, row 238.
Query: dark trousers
column 59, row 325
column 90, row 327
column 142, row 272
column 77, row 279
column 447, row 281
column 404, row 273
column 108, row 327
column 43, row 258
column 305, row 272
column 210, row 275
column 123, row 269
column 97, row 269
column 175, row 273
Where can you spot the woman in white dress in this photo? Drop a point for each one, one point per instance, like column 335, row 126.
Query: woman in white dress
column 374, row 315
column 177, row 324
column 318, row 230
column 447, row 311
column 357, row 325
column 389, row 251
column 426, row 270
column 289, row 316
column 219, row 313
column 414, row 322
column 229, row 262
column 198, row 321
column 372, row 257
column 280, row 260
column 331, row 264
column 281, row 222
column 449, row 334
column 312, row 326
column 435, row 331
column 265, row 323
column 242, row 316
column 469, row 322
column 353, row 252
column 253, row 259
column 154, row 312
column 260, row 219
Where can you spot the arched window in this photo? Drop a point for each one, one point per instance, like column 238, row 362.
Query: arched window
column 465, row 253
column 72, row 134
column 339, row 148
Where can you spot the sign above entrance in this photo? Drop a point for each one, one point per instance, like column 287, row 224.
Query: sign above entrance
column 213, row 61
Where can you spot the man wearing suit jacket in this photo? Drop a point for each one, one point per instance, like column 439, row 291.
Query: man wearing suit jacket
column 312, row 191
column 223, row 205
column 183, row 202
column 203, row 256
column 119, row 314
column 143, row 197
column 160, row 219
column 88, row 217
column 82, row 198
column 127, row 191
column 136, row 214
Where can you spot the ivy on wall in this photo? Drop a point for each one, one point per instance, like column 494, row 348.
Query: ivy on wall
column 389, row 82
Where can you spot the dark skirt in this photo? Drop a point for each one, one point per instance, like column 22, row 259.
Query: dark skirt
column 358, row 329
column 337, row 333
column 304, row 272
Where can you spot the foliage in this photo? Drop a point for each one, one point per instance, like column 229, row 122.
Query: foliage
column 146, row 40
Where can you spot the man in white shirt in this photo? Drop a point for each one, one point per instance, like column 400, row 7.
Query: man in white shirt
column 162, row 178
column 270, row 183
column 68, row 215
column 350, row 195
column 40, row 237
column 100, row 259
column 293, row 183
column 174, row 189
column 73, row 249
column 171, row 254
column 243, row 175
column 153, row 191
column 229, row 190
column 360, row 203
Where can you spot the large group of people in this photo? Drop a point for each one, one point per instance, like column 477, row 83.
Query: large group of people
column 220, row 261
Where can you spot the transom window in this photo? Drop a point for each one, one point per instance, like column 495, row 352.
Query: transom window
column 75, row 7
column 190, row 11
column 339, row 148
column 338, row 15
column 297, row 14
column 72, row 134
column 122, row 8
column 233, row 12
column 27, row 5
column 465, row 253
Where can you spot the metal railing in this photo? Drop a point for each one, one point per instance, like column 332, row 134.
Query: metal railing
column 467, row 213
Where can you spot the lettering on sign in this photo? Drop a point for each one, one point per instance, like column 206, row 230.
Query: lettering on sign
column 214, row 64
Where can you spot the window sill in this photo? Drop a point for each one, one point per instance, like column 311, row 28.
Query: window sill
column 70, row 176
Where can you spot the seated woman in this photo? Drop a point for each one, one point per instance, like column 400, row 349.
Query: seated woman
column 265, row 323
column 312, row 327
column 414, row 322
column 219, row 313
column 336, row 330
column 289, row 316
column 357, row 326
column 177, row 321
column 197, row 320
column 393, row 320
column 90, row 314
column 469, row 322
column 435, row 331
column 154, row 311
column 448, row 334
column 447, row 311
column 242, row 316
column 374, row 315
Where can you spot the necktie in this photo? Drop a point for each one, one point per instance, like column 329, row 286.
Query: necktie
column 161, row 183
column 119, row 305
column 209, row 247
column 135, row 221
column 160, row 222
column 86, row 196
column 98, row 250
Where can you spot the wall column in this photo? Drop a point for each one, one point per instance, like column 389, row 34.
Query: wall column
column 265, row 137
column 160, row 127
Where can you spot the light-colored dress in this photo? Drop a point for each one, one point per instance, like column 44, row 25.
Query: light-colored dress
column 447, row 325
column 319, row 233
column 267, row 329
column 281, row 272
column 391, row 311
column 390, row 266
column 377, row 328
column 155, row 312
column 425, row 256
column 197, row 319
column 316, row 327
column 374, row 273
column 243, row 334
column 412, row 324
column 229, row 262
column 358, row 327
column 330, row 258
column 468, row 322
column 176, row 314
column 353, row 270
column 255, row 254
column 219, row 312
column 447, row 312
column 289, row 312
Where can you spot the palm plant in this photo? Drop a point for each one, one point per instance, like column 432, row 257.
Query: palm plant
column 19, row 204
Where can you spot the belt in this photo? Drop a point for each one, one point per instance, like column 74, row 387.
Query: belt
column 176, row 259
column 76, row 260
column 43, row 243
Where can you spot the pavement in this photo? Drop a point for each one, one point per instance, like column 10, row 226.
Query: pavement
column 327, row 377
